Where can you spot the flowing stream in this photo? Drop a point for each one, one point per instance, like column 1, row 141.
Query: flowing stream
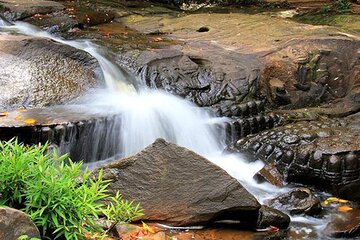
column 4, row 22
column 149, row 114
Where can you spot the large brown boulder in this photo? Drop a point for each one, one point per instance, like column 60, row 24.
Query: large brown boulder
column 14, row 223
column 38, row 72
column 179, row 187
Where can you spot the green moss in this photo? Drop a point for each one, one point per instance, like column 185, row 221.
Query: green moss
column 345, row 21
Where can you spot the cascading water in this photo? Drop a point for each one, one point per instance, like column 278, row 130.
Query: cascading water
column 150, row 114
column 4, row 22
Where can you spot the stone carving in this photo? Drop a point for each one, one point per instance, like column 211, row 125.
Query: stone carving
column 313, row 73
column 200, row 82
column 313, row 77
column 321, row 153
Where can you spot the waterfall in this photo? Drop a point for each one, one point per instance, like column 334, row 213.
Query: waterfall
column 4, row 22
column 113, row 75
column 148, row 114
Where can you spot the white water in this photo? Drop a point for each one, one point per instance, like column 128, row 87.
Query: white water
column 113, row 75
column 3, row 22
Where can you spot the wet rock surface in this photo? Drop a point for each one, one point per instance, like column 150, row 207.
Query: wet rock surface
column 297, row 201
column 14, row 223
column 309, row 63
column 271, row 217
column 319, row 153
column 38, row 72
column 75, row 130
column 270, row 174
column 19, row 9
column 344, row 226
column 324, row 70
column 196, row 196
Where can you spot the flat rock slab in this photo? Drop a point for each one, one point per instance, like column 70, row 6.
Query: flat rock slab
column 85, row 134
column 179, row 187
column 20, row 9
column 14, row 223
column 48, row 116
column 239, row 49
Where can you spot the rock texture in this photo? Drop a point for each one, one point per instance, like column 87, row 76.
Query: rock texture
column 38, row 72
column 271, row 217
column 179, row 187
column 297, row 201
column 321, row 153
column 346, row 225
column 19, row 9
column 315, row 72
column 83, row 134
column 14, row 223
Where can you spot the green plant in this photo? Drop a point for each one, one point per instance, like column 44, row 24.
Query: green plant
column 342, row 5
column 16, row 162
column 326, row 9
column 61, row 203
column 121, row 210
column 26, row 237
column 62, row 200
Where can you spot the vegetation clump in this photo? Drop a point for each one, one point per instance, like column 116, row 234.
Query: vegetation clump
column 63, row 200
column 219, row 2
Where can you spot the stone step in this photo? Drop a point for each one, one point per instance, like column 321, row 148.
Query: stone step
column 247, row 109
column 238, row 128
column 85, row 134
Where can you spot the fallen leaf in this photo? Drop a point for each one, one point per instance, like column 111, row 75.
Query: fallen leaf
column 273, row 228
column 106, row 34
column 18, row 117
column 336, row 200
column 3, row 114
column 87, row 236
column 147, row 228
column 344, row 208
column 21, row 110
column 325, row 203
column 158, row 39
column 30, row 121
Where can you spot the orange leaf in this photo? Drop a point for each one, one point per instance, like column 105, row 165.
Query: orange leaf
column 336, row 200
column 30, row 121
column 344, row 208
column 157, row 39
column 273, row 228
column 87, row 235
column 18, row 117
column 3, row 114
column 21, row 110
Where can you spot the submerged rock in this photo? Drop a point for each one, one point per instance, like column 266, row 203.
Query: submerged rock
column 176, row 186
column 344, row 225
column 270, row 174
column 272, row 217
column 14, row 223
column 38, row 72
column 297, row 201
